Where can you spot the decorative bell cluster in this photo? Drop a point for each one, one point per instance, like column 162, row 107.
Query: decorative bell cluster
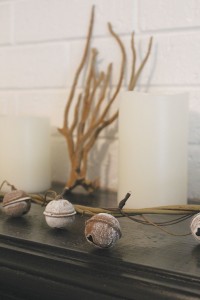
column 102, row 230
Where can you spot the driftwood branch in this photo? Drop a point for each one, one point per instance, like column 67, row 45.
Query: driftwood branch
column 93, row 105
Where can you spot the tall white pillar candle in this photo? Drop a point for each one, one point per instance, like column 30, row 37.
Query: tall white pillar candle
column 153, row 132
column 25, row 152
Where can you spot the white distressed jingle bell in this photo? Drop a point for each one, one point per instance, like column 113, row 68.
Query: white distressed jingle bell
column 59, row 213
column 16, row 203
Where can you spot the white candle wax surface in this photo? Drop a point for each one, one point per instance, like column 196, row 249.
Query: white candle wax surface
column 25, row 152
column 153, row 136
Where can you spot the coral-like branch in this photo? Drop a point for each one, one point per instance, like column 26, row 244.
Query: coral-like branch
column 92, row 107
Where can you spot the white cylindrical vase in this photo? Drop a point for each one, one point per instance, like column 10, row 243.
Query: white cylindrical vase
column 153, row 141
column 25, row 152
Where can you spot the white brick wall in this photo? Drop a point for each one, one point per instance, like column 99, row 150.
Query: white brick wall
column 42, row 20
column 39, row 66
column 5, row 24
column 158, row 15
column 41, row 43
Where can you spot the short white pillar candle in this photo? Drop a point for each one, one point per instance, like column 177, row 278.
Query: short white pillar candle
column 153, row 137
column 25, row 152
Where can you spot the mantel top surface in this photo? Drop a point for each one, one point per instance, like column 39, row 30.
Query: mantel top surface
column 140, row 244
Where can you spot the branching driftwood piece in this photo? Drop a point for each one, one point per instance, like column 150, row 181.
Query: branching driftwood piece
column 92, row 107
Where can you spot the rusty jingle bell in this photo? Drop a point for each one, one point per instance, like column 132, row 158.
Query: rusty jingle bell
column 102, row 230
column 195, row 226
column 16, row 203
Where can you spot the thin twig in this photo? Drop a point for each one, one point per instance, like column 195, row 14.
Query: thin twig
column 85, row 108
column 77, row 74
column 8, row 184
column 102, row 94
column 137, row 74
column 65, row 131
column 133, row 62
column 76, row 114
column 163, row 229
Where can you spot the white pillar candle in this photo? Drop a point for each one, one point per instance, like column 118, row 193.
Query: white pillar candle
column 153, row 136
column 25, row 152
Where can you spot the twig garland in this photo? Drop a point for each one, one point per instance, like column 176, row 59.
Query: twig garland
column 182, row 212
column 188, row 209
column 147, row 221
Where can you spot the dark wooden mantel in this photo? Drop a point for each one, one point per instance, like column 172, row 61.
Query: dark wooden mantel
column 37, row 262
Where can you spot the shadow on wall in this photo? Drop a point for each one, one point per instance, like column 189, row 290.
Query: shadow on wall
column 60, row 163
column 102, row 161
